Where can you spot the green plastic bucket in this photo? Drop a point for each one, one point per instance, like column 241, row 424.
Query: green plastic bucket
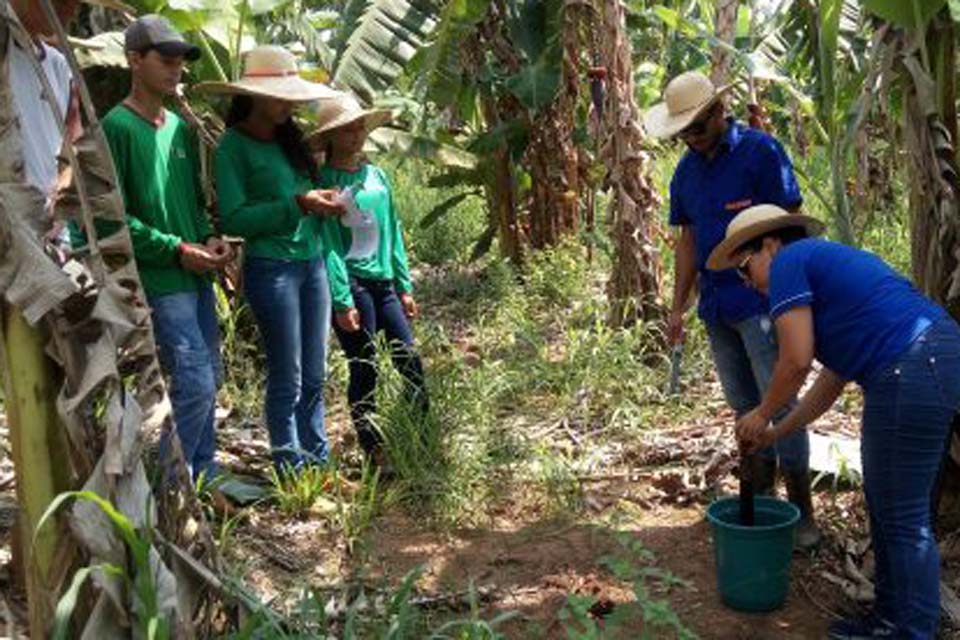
column 753, row 563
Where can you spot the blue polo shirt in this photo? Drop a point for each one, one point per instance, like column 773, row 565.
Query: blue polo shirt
column 865, row 314
column 750, row 168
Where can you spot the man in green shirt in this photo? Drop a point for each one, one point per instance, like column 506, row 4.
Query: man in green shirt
column 156, row 157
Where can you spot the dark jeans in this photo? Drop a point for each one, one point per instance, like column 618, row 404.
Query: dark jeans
column 291, row 302
column 907, row 413
column 380, row 310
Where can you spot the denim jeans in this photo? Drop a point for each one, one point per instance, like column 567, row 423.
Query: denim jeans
column 290, row 300
column 380, row 310
column 745, row 354
column 188, row 345
column 907, row 414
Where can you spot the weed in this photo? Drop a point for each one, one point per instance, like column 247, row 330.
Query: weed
column 296, row 492
column 355, row 513
column 659, row 620
column 151, row 622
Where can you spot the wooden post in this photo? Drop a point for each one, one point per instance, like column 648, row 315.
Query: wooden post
column 40, row 456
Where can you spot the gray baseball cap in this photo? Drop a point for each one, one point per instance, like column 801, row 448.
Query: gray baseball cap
column 155, row 32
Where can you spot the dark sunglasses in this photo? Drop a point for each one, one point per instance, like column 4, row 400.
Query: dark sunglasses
column 699, row 127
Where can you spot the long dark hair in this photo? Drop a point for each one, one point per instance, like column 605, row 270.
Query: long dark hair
column 288, row 135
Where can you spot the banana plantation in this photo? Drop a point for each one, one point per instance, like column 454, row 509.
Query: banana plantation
column 546, row 442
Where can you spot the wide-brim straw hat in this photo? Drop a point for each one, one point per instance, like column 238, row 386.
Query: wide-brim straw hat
column 271, row 71
column 752, row 223
column 685, row 98
column 343, row 110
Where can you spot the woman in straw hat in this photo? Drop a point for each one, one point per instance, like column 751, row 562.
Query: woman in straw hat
column 379, row 296
column 864, row 322
column 266, row 186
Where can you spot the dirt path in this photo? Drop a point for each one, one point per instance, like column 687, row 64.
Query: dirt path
column 535, row 566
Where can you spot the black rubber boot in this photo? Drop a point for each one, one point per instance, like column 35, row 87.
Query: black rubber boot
column 799, row 493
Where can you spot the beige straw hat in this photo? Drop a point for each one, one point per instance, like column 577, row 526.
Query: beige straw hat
column 271, row 71
column 754, row 222
column 344, row 110
column 686, row 97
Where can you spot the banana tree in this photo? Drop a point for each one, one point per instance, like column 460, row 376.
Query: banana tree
column 634, row 285
column 506, row 75
column 922, row 42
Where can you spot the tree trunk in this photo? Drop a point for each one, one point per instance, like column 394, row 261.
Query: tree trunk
column 552, row 156
column 725, row 29
column 40, row 463
column 934, row 185
column 634, row 286
column 500, row 188
column 502, row 196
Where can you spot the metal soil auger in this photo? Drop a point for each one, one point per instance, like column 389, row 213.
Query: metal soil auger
column 746, row 488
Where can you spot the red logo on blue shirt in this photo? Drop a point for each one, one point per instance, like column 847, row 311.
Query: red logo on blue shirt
column 737, row 205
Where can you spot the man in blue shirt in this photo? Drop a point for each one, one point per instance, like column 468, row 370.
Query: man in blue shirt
column 728, row 168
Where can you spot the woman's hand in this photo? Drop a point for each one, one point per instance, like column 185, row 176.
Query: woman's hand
column 323, row 202
column 348, row 320
column 198, row 258
column 410, row 306
column 754, row 433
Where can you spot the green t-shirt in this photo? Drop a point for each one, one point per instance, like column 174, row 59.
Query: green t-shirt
column 256, row 194
column 373, row 193
column 159, row 173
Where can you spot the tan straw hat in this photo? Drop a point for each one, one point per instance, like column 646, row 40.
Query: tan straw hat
column 344, row 110
column 753, row 222
column 686, row 97
column 271, row 71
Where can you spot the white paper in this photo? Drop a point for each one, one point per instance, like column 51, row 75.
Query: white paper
column 364, row 230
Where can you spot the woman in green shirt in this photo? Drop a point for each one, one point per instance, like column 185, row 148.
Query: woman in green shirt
column 379, row 296
column 265, row 188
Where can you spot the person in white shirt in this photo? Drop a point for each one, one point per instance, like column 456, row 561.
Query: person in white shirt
column 42, row 134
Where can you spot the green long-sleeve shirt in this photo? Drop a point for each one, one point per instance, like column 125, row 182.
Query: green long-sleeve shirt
column 159, row 173
column 256, row 193
column 373, row 193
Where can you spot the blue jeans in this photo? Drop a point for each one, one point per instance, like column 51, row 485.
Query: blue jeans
column 380, row 310
column 745, row 353
column 290, row 300
column 188, row 345
column 907, row 413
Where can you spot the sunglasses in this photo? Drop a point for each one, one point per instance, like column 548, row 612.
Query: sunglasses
column 698, row 127
column 743, row 269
